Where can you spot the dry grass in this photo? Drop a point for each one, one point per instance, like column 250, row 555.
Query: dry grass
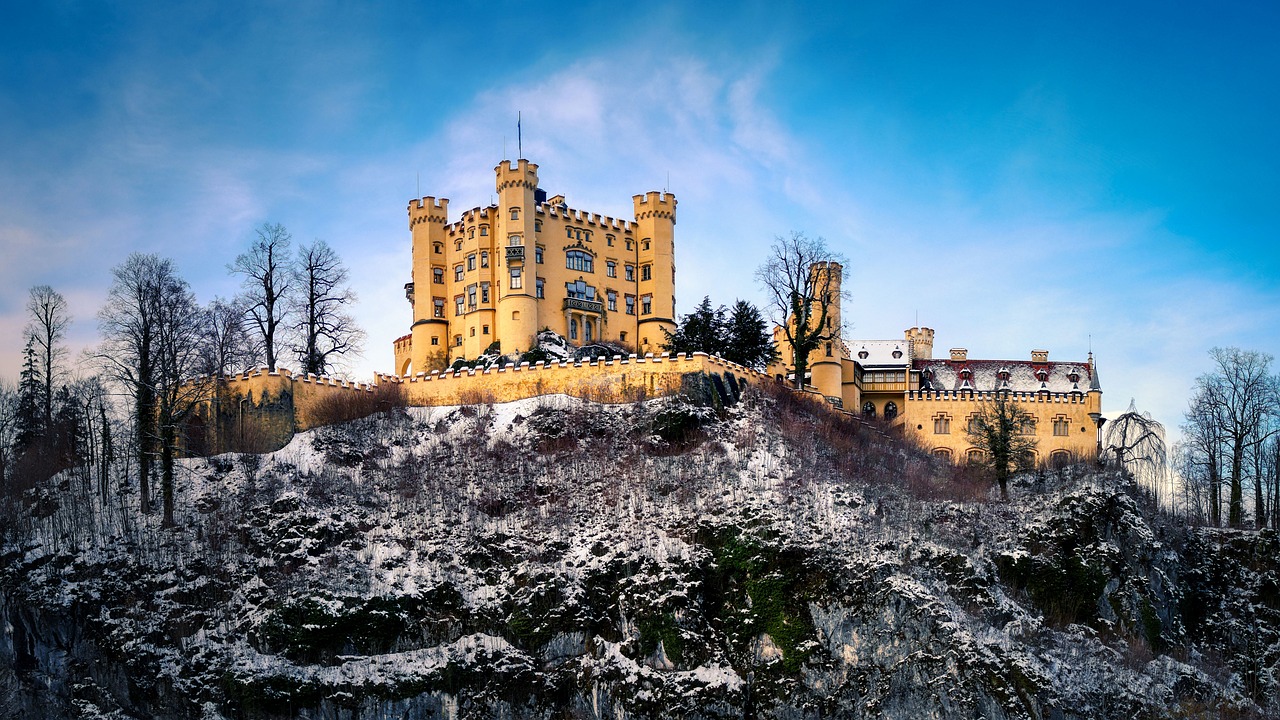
column 345, row 406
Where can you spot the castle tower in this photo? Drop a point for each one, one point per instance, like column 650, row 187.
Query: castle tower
column 655, row 231
column 920, row 340
column 517, row 321
column 427, row 219
column 824, row 363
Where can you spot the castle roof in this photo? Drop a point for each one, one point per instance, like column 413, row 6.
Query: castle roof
column 1019, row 376
column 870, row 353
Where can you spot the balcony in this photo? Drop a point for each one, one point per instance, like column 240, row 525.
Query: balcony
column 591, row 306
column 408, row 292
column 515, row 252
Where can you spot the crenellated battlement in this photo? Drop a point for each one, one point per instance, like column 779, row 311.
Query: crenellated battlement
column 428, row 209
column 969, row 396
column 520, row 174
column 586, row 218
column 655, row 204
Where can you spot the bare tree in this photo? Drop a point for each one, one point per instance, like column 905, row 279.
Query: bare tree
column 8, row 430
column 46, row 329
column 1232, row 407
column 152, row 333
column 322, row 326
column 1005, row 433
column 266, row 281
column 802, row 278
column 227, row 347
column 1201, row 452
column 1136, row 441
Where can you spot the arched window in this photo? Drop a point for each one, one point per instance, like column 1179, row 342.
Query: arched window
column 1061, row 426
column 828, row 349
column 437, row 248
column 869, row 409
column 942, row 424
column 975, row 455
column 1060, row 458
column 484, row 231
column 944, row 453
column 515, row 213
column 890, row 410
column 579, row 260
column 587, row 334
column 573, row 328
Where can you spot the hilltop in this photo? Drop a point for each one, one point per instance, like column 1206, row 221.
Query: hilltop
column 554, row 558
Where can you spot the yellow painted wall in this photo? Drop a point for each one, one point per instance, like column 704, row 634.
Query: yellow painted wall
column 1080, row 441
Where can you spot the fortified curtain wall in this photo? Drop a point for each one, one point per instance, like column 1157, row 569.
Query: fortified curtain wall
column 276, row 405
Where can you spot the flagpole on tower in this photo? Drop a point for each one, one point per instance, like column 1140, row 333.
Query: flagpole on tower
column 519, row 136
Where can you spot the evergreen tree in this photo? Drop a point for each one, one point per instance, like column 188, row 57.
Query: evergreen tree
column 747, row 339
column 30, row 416
column 703, row 330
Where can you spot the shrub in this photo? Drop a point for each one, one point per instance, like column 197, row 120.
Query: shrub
column 347, row 405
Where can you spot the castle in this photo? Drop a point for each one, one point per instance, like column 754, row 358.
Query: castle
column 934, row 400
column 497, row 275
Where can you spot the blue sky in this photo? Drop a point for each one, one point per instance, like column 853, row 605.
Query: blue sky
column 1019, row 176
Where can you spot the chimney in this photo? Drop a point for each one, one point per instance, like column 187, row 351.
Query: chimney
column 1039, row 356
column 959, row 354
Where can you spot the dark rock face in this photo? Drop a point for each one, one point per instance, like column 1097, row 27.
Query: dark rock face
column 558, row 559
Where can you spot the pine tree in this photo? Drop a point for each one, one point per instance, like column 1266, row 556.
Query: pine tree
column 703, row 330
column 31, row 429
column 747, row 339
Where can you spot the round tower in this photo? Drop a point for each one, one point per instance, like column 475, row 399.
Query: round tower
column 517, row 322
column 656, row 286
column 920, row 339
column 824, row 362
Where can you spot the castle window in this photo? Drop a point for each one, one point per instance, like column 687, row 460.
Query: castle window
column 1028, row 427
column 943, row 453
column 541, row 288
column 587, row 330
column 622, row 336
column 484, row 292
column 863, row 354
column 644, row 244
column 471, row 261
column 537, row 225
column 611, row 268
column 975, row 425
column 437, row 248
column 471, row 233
column 573, row 328
column 942, row 424
column 435, row 339
column 517, row 281
column 484, row 231
column 458, row 245
column 608, row 240
column 515, row 314
column 630, row 244
column 484, row 259
column 579, row 260
column 646, row 272
column 515, row 240
column 869, row 410
column 438, row 309
column 828, row 349
column 537, row 254
column 473, row 331
column 1061, row 426
column 515, row 213
column 486, row 330
column 580, row 289
column 458, row 303
column 1060, row 458
column 890, row 410
column 437, row 275
column 613, row 300
column 457, row 340
column 630, row 272
column 577, row 234
column 568, row 232
column 631, row 304
column 646, row 305
column 975, row 455
column 896, row 353
column 457, row 273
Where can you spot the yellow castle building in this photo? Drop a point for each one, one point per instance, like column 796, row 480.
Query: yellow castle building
column 502, row 273
column 934, row 400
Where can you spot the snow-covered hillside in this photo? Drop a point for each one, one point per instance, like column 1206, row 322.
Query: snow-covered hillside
column 553, row 558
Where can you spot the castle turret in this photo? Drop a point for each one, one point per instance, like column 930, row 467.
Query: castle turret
column 655, row 231
column 920, row 340
column 517, row 321
column 824, row 363
column 427, row 219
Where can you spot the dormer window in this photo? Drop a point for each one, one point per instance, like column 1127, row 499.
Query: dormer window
column 1042, row 374
column 1074, row 375
column 863, row 354
column 966, row 374
column 897, row 354
column 1003, row 374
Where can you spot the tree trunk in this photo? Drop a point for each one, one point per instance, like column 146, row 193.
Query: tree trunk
column 1215, row 491
column 167, row 442
column 1235, row 517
